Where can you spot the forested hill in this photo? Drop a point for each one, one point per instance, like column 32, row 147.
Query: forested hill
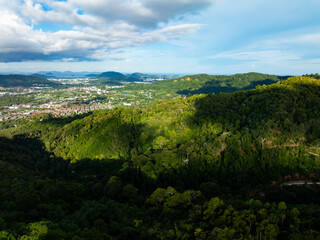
column 110, row 75
column 240, row 128
column 179, row 169
column 203, row 83
column 24, row 81
column 114, row 78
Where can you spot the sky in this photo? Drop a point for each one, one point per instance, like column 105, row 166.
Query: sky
column 160, row 36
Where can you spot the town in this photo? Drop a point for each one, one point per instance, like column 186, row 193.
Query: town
column 73, row 96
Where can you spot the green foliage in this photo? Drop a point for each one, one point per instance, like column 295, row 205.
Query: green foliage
column 36, row 230
column 179, row 169
column 199, row 84
column 313, row 75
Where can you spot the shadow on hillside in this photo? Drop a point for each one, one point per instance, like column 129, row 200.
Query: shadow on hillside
column 285, row 106
column 209, row 87
column 49, row 119
column 37, row 185
column 30, row 155
column 217, row 87
column 56, row 189
column 254, row 84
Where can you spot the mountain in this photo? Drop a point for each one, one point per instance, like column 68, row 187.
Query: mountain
column 111, row 74
column 92, row 75
column 234, row 165
column 114, row 78
column 142, row 76
column 204, row 84
column 41, row 75
column 24, row 81
column 136, row 75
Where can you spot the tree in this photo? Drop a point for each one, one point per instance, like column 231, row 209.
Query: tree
column 113, row 187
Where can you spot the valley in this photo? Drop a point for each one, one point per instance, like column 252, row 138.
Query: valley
column 68, row 96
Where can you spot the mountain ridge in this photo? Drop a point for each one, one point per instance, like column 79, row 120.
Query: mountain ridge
column 16, row 80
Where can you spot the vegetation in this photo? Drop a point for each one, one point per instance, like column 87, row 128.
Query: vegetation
column 143, row 95
column 203, row 84
column 313, row 75
column 24, row 81
column 206, row 167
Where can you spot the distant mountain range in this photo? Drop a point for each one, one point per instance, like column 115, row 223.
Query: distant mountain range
column 107, row 74
column 109, row 77
column 112, row 77
column 66, row 74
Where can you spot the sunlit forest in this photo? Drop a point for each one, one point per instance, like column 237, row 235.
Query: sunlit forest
column 225, row 162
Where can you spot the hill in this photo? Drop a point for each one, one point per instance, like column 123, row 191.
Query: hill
column 203, row 83
column 208, row 124
column 143, row 76
column 111, row 74
column 114, row 78
column 24, row 81
column 179, row 169
column 196, row 84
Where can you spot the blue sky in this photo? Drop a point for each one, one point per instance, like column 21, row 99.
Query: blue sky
column 161, row 36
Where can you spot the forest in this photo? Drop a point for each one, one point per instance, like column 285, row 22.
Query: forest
column 8, row 81
column 204, row 83
column 221, row 165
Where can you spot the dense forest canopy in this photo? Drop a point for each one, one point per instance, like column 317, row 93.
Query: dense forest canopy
column 213, row 166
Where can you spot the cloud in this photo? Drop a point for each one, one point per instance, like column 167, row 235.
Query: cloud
column 97, row 27
column 288, row 54
column 291, row 48
column 142, row 13
column 68, row 59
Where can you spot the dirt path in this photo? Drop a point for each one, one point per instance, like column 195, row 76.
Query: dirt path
column 295, row 145
column 299, row 183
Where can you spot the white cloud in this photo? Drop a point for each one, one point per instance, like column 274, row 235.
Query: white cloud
column 97, row 30
column 289, row 48
column 68, row 59
column 145, row 13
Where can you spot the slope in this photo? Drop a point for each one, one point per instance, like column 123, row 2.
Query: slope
column 203, row 83
column 24, row 81
column 232, row 133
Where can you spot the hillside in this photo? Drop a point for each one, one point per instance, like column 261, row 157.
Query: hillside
column 204, row 84
column 146, row 94
column 208, row 124
column 179, row 169
column 24, row 81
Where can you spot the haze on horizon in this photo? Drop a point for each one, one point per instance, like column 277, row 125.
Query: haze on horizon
column 160, row 36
